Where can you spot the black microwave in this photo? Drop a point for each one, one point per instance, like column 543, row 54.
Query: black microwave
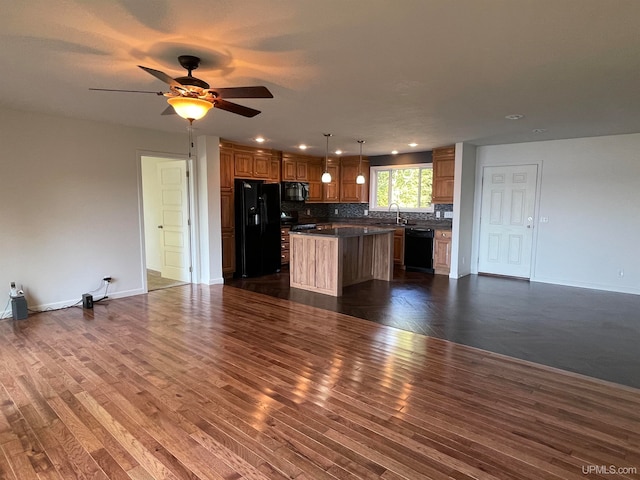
column 295, row 191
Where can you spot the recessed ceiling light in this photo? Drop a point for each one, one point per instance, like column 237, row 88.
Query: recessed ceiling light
column 514, row 116
column 302, row 146
column 413, row 144
column 394, row 152
column 338, row 152
column 259, row 139
column 539, row 130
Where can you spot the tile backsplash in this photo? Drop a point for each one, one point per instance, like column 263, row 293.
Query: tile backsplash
column 356, row 210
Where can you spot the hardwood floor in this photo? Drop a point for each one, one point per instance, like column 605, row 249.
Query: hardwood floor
column 217, row 382
column 591, row 332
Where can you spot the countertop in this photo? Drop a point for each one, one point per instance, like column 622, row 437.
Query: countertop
column 344, row 232
column 380, row 222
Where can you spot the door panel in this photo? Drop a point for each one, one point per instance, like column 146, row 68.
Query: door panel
column 174, row 230
column 506, row 223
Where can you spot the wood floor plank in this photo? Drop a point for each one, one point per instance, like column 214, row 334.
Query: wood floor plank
column 200, row 382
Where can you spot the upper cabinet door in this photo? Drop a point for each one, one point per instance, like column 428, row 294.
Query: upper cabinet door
column 243, row 165
column 350, row 191
column 261, row 167
column 226, row 169
column 443, row 170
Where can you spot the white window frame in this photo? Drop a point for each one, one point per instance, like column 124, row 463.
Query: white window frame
column 373, row 187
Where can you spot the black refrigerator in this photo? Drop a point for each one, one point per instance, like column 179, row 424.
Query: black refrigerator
column 257, row 206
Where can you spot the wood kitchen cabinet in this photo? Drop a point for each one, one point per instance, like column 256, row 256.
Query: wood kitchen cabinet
column 274, row 170
column 295, row 168
column 227, row 227
column 442, row 252
column 248, row 165
column 398, row 246
column 226, row 169
column 331, row 190
column 443, row 169
column 284, row 245
column 315, row 180
column 350, row 191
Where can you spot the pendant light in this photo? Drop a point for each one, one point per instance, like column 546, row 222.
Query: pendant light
column 326, row 176
column 360, row 178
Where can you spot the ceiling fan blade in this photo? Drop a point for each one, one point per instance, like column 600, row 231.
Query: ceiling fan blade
column 243, row 92
column 235, row 108
column 128, row 91
column 161, row 76
column 168, row 111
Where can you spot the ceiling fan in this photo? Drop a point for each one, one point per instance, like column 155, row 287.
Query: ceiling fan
column 191, row 97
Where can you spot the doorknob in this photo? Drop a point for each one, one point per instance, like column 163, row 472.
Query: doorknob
column 160, row 226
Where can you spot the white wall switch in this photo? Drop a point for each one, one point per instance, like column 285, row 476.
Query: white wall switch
column 544, row 219
column 335, row 211
column 308, row 211
column 448, row 214
column 438, row 214
column 366, row 212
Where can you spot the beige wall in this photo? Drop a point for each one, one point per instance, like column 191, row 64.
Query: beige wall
column 70, row 205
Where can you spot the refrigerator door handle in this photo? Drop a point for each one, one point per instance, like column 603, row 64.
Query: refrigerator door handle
column 263, row 213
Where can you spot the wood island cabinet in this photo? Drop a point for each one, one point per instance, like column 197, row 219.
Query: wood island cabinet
column 442, row 252
column 443, row 169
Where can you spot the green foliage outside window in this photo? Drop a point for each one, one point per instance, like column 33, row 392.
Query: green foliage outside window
column 382, row 184
column 410, row 187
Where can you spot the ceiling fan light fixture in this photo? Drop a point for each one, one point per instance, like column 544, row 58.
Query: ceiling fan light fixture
column 190, row 108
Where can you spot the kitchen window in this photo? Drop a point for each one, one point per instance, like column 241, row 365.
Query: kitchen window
column 407, row 185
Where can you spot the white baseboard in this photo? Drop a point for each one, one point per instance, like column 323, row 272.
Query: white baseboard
column 592, row 286
column 70, row 303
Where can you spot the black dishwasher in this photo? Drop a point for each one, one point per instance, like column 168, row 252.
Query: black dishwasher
column 418, row 249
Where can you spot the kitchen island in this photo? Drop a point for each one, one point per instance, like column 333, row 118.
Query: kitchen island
column 326, row 261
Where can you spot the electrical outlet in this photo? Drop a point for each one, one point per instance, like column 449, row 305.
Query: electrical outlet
column 335, row 211
column 448, row 214
column 544, row 219
column 366, row 212
column 308, row 211
column 438, row 214
column 621, row 273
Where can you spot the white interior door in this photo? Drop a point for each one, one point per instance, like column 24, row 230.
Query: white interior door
column 174, row 226
column 506, row 222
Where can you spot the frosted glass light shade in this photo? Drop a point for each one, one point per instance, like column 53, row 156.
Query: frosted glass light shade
column 326, row 177
column 360, row 179
column 190, row 108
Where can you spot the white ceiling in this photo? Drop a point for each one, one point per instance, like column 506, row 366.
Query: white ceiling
column 432, row 72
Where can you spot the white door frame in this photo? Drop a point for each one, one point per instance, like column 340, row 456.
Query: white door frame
column 477, row 208
column 193, row 229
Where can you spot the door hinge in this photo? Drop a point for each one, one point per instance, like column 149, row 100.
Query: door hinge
column 187, row 173
column 188, row 221
column 190, row 269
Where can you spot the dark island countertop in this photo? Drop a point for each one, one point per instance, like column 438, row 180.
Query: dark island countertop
column 344, row 232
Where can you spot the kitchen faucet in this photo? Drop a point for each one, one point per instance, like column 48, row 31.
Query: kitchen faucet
column 397, row 212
